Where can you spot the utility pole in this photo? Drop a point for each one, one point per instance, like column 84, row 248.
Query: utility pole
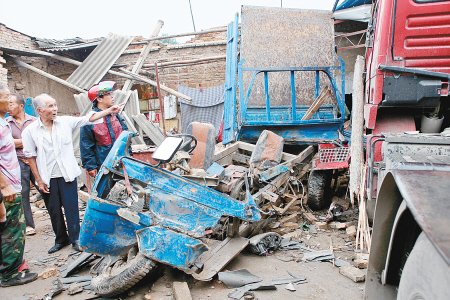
column 192, row 15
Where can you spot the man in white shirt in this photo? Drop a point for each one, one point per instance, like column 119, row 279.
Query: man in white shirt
column 47, row 143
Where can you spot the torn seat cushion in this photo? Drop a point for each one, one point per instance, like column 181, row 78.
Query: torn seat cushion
column 202, row 156
column 269, row 147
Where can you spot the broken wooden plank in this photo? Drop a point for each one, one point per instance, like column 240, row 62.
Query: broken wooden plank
column 290, row 218
column 283, row 211
column 326, row 92
column 310, row 217
column 144, row 53
column 181, row 291
column 241, row 158
column 45, row 74
column 270, row 196
column 154, row 83
column 221, row 29
column 229, row 150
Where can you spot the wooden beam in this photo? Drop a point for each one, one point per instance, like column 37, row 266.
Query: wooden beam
column 45, row 74
column 144, row 53
column 221, row 29
column 181, row 62
column 152, row 82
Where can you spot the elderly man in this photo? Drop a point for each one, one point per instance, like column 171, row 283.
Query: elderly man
column 47, row 144
column 18, row 120
column 12, row 226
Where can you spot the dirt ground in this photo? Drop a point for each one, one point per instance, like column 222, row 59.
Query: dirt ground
column 323, row 279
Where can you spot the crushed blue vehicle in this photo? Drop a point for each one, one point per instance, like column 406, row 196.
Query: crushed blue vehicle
column 140, row 215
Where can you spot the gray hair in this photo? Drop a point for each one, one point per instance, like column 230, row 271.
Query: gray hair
column 18, row 98
column 38, row 101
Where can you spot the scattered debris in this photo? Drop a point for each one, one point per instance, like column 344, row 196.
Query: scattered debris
column 181, row 291
column 287, row 244
column 340, row 262
column 321, row 255
column 321, row 225
column 361, row 260
column 266, row 285
column 75, row 279
column 240, row 292
column 238, row 278
column 148, row 296
column 351, row 231
column 50, row 272
column 290, row 287
column 355, row 274
column 82, row 260
column 337, row 225
column 56, row 290
column 310, row 217
column 74, row 288
column 262, row 244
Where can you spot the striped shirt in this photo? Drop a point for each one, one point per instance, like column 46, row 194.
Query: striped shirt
column 9, row 164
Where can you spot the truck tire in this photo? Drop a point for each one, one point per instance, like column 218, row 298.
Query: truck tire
column 425, row 274
column 119, row 278
column 319, row 182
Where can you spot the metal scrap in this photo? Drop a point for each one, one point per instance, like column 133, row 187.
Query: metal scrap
column 321, row 255
column 84, row 258
column 238, row 278
column 266, row 285
column 262, row 244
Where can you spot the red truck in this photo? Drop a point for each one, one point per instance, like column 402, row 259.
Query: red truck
column 407, row 153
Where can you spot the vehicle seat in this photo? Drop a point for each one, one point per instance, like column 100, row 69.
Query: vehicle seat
column 202, row 156
column 268, row 151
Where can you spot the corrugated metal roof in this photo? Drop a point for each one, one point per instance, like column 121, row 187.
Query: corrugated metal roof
column 67, row 44
column 97, row 64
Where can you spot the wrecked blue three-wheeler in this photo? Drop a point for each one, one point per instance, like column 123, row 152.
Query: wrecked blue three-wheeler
column 139, row 215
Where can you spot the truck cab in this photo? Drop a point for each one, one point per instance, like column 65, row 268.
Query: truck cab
column 406, row 112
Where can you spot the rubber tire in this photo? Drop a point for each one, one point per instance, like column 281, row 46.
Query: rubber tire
column 425, row 274
column 319, row 182
column 123, row 278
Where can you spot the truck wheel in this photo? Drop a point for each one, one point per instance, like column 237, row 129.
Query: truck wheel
column 319, row 182
column 425, row 275
column 123, row 275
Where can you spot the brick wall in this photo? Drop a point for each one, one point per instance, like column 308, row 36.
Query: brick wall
column 204, row 74
column 29, row 83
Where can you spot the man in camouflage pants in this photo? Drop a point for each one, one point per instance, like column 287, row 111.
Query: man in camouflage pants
column 12, row 220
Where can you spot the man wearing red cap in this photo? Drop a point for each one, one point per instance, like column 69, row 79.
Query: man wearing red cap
column 96, row 140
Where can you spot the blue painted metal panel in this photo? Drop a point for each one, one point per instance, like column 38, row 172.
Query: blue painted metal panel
column 170, row 247
column 184, row 204
column 29, row 108
column 286, row 121
column 104, row 232
column 351, row 3
column 308, row 134
column 179, row 212
column 245, row 123
column 229, row 114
